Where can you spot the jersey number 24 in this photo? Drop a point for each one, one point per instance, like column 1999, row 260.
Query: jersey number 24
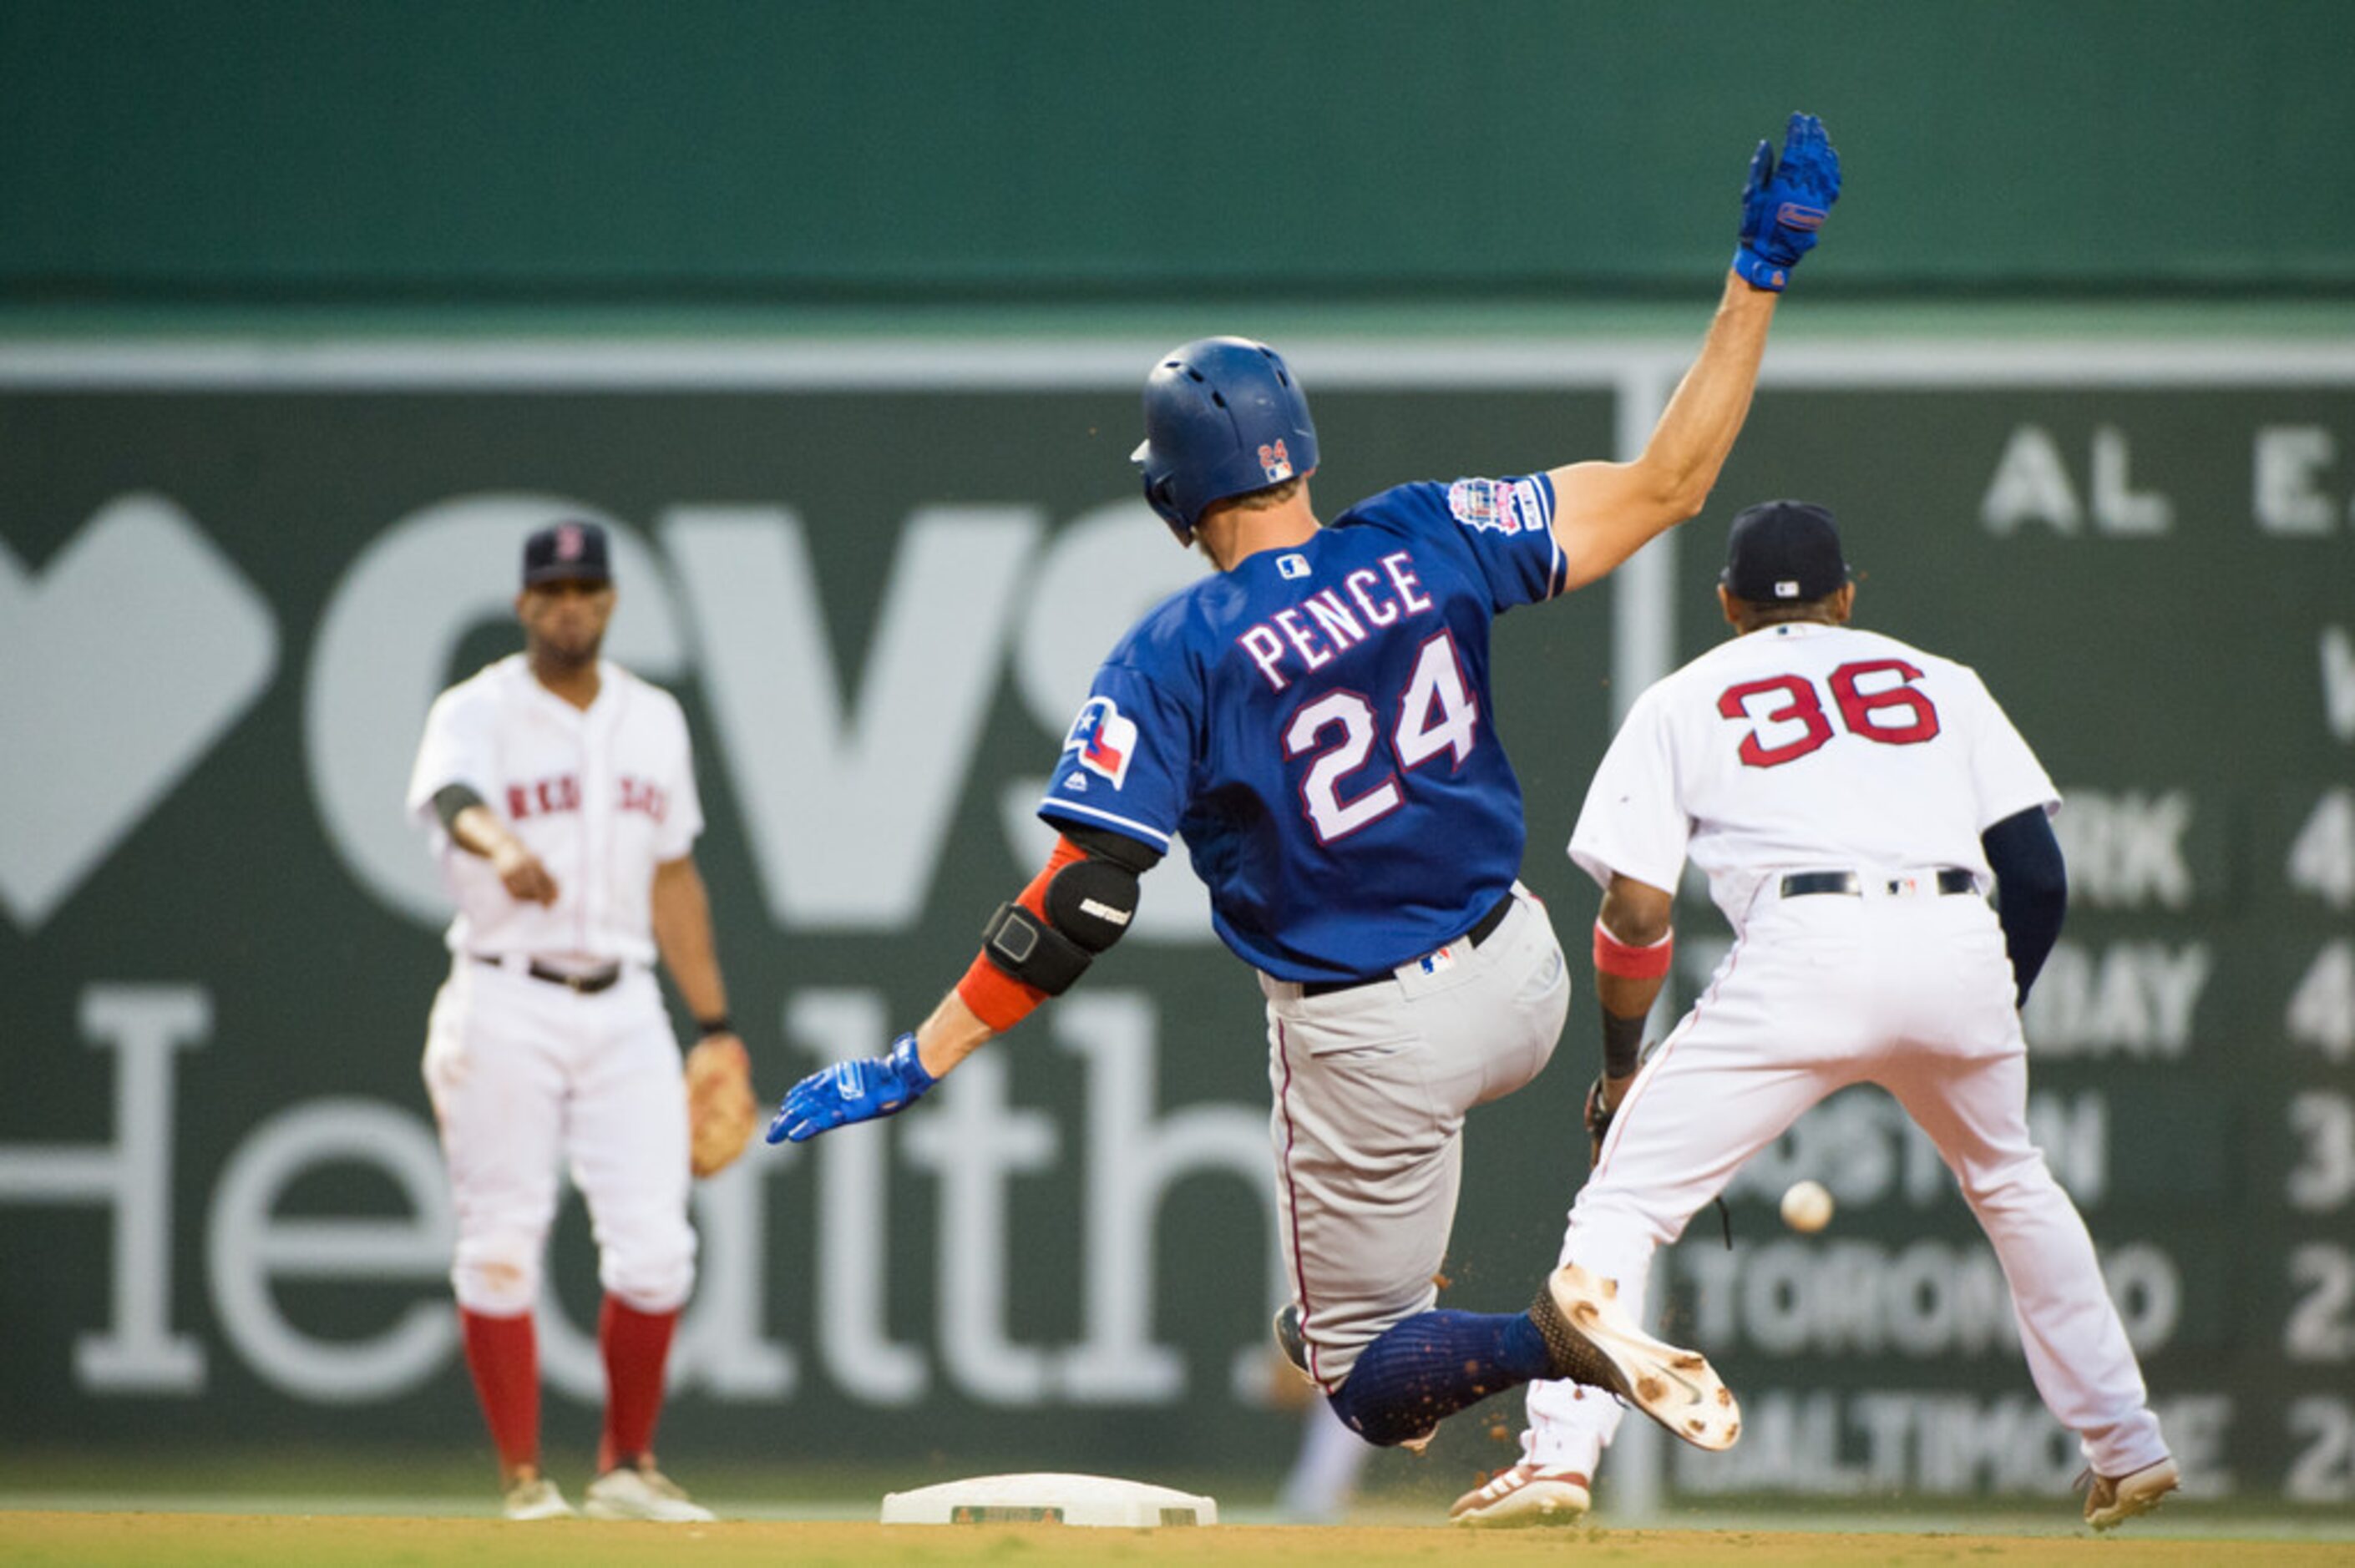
column 1892, row 714
column 1437, row 716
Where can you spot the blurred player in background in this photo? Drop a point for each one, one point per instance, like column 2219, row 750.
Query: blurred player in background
column 1315, row 719
column 559, row 793
column 1851, row 799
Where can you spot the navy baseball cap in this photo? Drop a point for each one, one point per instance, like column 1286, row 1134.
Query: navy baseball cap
column 567, row 552
column 1781, row 552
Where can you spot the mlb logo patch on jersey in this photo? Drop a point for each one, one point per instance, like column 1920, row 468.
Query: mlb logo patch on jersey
column 1291, row 565
column 1488, row 503
column 1106, row 740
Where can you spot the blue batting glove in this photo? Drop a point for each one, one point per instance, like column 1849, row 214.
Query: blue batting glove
column 1783, row 206
column 861, row 1090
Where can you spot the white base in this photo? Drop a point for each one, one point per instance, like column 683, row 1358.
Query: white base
column 1046, row 1498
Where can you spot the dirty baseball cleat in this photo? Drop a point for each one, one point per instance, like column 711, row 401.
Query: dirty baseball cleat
column 643, row 1492
column 1594, row 1342
column 535, row 1497
column 2111, row 1501
column 1523, row 1496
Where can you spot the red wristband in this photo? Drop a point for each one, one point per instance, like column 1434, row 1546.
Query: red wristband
column 996, row 998
column 1614, row 957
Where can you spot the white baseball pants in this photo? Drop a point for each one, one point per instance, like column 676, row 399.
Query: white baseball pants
column 526, row 1076
column 1370, row 1088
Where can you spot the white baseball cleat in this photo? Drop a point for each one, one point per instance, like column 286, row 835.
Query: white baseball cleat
column 1594, row 1341
column 1522, row 1496
column 535, row 1497
column 643, row 1492
column 2111, row 1501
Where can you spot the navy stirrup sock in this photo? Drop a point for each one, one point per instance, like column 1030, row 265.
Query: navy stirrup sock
column 1433, row 1364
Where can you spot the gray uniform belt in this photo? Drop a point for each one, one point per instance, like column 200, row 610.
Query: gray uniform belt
column 588, row 984
column 1798, row 884
column 1481, row 931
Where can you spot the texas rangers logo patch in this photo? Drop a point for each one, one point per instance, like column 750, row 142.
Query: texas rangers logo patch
column 1486, row 503
column 1105, row 739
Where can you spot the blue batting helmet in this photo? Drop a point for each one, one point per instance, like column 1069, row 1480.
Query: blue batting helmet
column 1222, row 415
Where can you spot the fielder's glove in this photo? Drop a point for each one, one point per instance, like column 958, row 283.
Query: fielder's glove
column 1598, row 1122
column 721, row 1111
column 1783, row 208
column 852, row 1091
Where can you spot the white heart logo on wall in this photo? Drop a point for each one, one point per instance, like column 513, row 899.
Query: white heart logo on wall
column 120, row 665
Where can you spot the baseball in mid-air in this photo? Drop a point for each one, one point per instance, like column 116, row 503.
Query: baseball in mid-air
column 1807, row 1207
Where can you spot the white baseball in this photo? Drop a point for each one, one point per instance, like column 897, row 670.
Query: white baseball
column 1807, row 1207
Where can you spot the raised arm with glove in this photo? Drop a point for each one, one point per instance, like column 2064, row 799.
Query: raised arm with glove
column 1785, row 204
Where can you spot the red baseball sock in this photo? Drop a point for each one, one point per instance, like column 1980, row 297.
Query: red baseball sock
column 503, row 1355
column 637, row 1346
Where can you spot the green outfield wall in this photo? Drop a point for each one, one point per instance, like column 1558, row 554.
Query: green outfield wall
column 719, row 150
column 837, row 312
column 233, row 574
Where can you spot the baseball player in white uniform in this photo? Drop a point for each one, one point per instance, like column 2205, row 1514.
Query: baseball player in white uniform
column 559, row 793
column 1851, row 799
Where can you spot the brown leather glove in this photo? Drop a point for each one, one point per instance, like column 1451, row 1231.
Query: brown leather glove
column 721, row 1111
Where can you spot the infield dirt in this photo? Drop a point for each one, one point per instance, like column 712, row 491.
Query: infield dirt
column 215, row 1541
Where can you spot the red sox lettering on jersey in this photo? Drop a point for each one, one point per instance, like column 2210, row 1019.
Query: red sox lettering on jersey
column 562, row 793
column 543, row 795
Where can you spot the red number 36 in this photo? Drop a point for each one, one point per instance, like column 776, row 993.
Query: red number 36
column 1894, row 715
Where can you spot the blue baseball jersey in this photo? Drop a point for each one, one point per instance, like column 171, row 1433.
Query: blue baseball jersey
column 1317, row 723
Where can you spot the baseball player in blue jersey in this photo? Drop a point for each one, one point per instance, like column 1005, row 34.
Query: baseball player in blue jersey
column 1314, row 718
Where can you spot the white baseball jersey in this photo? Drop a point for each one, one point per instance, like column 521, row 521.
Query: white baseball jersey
column 601, row 796
column 1807, row 747
column 1802, row 746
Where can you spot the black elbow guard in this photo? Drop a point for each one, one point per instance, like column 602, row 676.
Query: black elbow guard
column 451, row 798
column 1089, row 904
column 1092, row 902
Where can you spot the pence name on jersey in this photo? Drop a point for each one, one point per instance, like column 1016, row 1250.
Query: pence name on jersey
column 1806, row 745
column 1304, row 718
column 601, row 796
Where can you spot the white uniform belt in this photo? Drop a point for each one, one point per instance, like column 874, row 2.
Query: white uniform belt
column 1944, row 879
column 588, row 982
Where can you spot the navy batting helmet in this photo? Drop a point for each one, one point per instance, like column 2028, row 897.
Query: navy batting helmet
column 1222, row 415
